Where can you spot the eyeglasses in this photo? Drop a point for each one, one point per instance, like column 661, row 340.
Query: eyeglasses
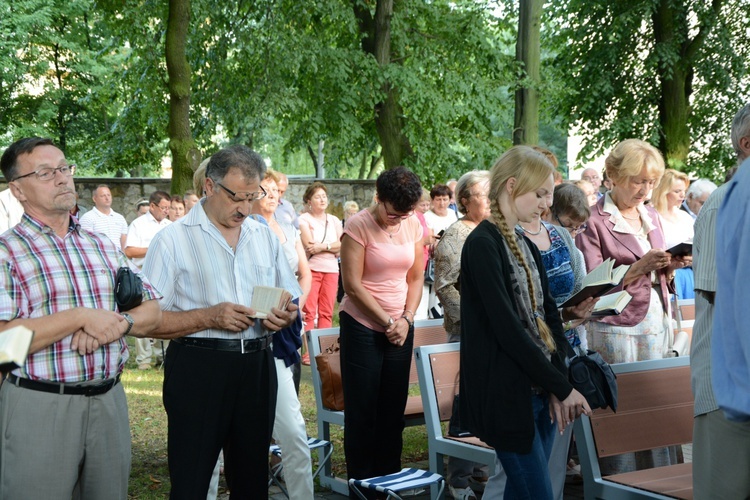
column 573, row 230
column 48, row 173
column 237, row 197
column 391, row 216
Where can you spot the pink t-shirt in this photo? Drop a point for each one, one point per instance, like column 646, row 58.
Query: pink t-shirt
column 329, row 231
column 388, row 259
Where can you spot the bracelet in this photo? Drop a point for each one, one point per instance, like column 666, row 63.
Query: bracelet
column 410, row 312
column 410, row 323
column 328, row 246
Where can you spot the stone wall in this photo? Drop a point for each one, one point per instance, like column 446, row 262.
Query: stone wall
column 126, row 192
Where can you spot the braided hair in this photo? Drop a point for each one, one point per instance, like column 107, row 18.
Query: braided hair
column 530, row 169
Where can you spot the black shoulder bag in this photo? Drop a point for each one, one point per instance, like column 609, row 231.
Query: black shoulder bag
column 128, row 289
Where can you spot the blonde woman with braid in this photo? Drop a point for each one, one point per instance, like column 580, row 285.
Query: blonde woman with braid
column 513, row 384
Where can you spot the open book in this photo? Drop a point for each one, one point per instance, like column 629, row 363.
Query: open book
column 612, row 304
column 599, row 281
column 266, row 298
column 14, row 347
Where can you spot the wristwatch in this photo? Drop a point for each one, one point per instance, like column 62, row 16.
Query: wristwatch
column 130, row 321
column 390, row 322
column 328, row 246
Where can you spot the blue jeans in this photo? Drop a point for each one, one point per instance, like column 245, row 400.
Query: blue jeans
column 528, row 474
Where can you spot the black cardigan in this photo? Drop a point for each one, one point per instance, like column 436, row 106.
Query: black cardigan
column 499, row 360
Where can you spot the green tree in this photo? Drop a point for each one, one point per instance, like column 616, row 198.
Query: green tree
column 671, row 72
column 528, row 53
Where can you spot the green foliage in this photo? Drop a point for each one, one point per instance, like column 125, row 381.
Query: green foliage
column 611, row 62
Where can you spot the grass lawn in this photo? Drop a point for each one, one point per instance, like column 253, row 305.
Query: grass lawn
column 149, row 478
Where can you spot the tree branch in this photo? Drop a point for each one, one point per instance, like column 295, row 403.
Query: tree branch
column 693, row 47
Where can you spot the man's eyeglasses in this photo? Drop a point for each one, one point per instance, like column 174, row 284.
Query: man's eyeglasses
column 573, row 230
column 391, row 216
column 48, row 173
column 237, row 197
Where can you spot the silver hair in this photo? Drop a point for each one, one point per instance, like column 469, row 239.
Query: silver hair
column 700, row 187
column 740, row 129
column 465, row 183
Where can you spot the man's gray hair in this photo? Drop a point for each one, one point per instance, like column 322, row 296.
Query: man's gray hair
column 740, row 129
column 700, row 187
column 465, row 183
column 250, row 163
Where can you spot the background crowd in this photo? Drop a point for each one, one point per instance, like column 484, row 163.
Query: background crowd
column 495, row 253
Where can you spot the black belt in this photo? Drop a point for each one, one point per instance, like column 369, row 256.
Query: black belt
column 68, row 389
column 244, row 346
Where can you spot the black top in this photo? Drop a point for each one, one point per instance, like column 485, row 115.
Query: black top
column 499, row 360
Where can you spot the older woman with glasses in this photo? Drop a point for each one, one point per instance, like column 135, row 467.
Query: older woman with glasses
column 381, row 264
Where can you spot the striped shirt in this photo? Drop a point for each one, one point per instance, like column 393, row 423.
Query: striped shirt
column 42, row 274
column 193, row 266
column 113, row 226
column 704, row 267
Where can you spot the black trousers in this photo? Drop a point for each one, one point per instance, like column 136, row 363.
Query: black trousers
column 214, row 400
column 375, row 377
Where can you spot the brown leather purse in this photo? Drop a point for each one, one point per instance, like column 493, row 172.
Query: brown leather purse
column 329, row 369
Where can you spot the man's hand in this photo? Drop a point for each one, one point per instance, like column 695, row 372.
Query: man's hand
column 231, row 317
column 279, row 319
column 104, row 326
column 83, row 343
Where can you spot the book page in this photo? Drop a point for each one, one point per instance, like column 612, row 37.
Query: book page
column 14, row 345
column 613, row 303
column 600, row 274
column 266, row 298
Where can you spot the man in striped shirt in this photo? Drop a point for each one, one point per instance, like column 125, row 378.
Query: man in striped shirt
column 220, row 383
column 102, row 219
column 64, row 430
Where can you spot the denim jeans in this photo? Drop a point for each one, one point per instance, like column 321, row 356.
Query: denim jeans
column 528, row 473
column 375, row 377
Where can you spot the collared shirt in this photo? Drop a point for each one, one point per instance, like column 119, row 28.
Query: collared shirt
column 193, row 266
column 141, row 231
column 730, row 348
column 113, row 226
column 686, row 208
column 42, row 274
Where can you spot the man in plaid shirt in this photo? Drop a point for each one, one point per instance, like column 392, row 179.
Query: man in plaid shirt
column 64, row 430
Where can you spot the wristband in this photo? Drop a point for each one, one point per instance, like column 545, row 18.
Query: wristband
column 410, row 323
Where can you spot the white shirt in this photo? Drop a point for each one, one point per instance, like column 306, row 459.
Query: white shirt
column 193, row 266
column 113, row 226
column 141, row 231
column 438, row 223
column 11, row 210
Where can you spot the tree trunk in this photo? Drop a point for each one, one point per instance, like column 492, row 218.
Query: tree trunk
column 526, row 121
column 185, row 154
column 389, row 117
column 671, row 34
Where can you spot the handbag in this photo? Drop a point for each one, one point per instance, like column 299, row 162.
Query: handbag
column 594, row 378
column 429, row 272
column 128, row 289
column 329, row 369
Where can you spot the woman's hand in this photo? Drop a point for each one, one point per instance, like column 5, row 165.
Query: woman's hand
column 680, row 262
column 654, row 260
column 582, row 310
column 566, row 411
column 397, row 332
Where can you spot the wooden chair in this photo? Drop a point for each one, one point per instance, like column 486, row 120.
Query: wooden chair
column 655, row 409
column 438, row 368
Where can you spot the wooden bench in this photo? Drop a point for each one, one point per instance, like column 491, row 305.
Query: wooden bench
column 655, row 409
column 438, row 368
column 426, row 332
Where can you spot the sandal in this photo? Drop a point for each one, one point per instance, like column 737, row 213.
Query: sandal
column 306, row 359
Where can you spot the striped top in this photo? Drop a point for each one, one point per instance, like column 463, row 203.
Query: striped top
column 193, row 266
column 42, row 274
column 704, row 268
column 113, row 225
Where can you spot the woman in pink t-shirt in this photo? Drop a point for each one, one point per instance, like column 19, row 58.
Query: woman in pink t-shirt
column 320, row 233
column 382, row 270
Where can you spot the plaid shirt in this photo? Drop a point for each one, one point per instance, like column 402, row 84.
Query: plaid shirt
column 42, row 274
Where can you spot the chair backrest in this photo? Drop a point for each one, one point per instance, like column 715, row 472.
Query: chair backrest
column 438, row 368
column 654, row 409
column 426, row 332
column 686, row 309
